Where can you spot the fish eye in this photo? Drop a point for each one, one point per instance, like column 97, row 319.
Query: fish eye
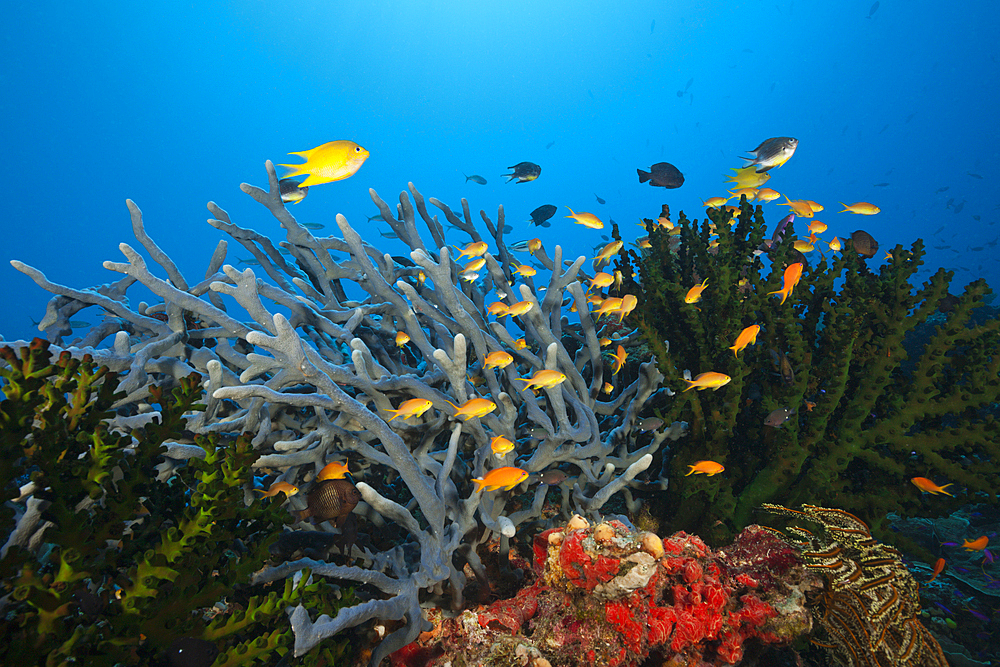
column 357, row 149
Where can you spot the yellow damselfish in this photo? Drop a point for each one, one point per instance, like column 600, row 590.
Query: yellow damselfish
column 333, row 161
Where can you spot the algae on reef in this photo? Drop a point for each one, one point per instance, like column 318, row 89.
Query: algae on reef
column 877, row 399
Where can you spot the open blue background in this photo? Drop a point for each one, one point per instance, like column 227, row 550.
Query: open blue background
column 175, row 104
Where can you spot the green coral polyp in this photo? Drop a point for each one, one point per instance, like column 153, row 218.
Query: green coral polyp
column 152, row 579
column 884, row 382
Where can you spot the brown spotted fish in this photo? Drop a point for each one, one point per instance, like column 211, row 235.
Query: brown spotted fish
column 864, row 243
column 331, row 500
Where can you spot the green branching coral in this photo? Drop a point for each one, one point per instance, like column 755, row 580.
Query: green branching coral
column 879, row 395
column 131, row 565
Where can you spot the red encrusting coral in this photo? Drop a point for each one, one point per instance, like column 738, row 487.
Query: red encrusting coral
column 608, row 601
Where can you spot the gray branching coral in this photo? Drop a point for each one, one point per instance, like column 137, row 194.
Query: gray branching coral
column 314, row 374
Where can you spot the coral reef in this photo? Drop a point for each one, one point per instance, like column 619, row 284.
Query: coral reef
column 314, row 374
column 870, row 604
column 872, row 395
column 607, row 594
column 106, row 566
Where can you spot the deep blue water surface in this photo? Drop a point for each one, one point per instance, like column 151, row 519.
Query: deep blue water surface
column 175, row 104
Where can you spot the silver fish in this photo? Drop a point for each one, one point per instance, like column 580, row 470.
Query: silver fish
column 779, row 417
column 774, row 152
column 650, row 424
column 292, row 191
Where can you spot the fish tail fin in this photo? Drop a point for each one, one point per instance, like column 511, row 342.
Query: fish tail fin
column 644, row 175
column 691, row 385
column 395, row 413
column 846, row 207
column 691, row 471
column 479, row 483
column 571, row 211
column 945, row 492
column 735, row 353
column 296, row 170
column 262, row 492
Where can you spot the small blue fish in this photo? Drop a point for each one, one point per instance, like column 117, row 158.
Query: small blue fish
column 982, row 617
column 946, row 610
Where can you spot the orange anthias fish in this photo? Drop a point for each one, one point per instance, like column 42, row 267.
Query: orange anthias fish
column 977, row 544
column 938, row 569
column 835, row 244
column 279, row 487
column 601, row 280
column 629, row 302
column 715, row 202
column 800, row 206
column 411, row 408
column 520, row 308
column 765, row 195
column 475, row 264
column 500, row 478
column 586, row 219
column 544, row 379
column 474, row 407
column 792, row 275
column 474, row 249
column 520, row 344
column 402, row 338
column 709, row 380
column 607, row 306
column 333, row 470
column 534, row 245
column 817, row 227
column 927, row 486
column 747, row 337
column 501, row 445
column 608, row 388
column 498, row 359
column 333, row 161
column 694, row 294
column 706, row 468
column 608, row 251
column 525, row 270
column 497, row 309
column 861, row 208
column 619, row 356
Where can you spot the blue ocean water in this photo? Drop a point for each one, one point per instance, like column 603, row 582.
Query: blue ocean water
column 175, row 104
